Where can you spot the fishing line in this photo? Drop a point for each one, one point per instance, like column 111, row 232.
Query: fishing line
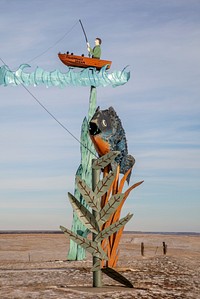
column 34, row 97
column 55, row 42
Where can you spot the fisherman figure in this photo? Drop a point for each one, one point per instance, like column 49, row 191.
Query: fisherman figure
column 96, row 51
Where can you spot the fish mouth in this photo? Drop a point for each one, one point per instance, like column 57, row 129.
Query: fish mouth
column 94, row 129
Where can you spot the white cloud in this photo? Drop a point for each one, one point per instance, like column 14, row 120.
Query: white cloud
column 37, row 184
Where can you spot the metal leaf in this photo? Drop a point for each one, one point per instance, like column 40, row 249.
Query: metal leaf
column 101, row 253
column 86, row 233
column 132, row 187
column 84, row 215
column 90, row 246
column 103, row 186
column 103, row 161
column 117, row 276
column 87, row 193
column 97, row 266
column 112, row 228
column 109, row 208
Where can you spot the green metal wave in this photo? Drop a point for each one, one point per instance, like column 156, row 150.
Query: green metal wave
column 73, row 77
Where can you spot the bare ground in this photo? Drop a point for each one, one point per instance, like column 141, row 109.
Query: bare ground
column 34, row 266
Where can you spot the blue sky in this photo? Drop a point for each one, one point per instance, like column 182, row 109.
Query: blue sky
column 159, row 108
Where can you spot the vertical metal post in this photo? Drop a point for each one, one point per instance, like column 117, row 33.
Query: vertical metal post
column 97, row 277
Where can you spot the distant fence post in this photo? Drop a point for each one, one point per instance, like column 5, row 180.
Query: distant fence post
column 164, row 248
column 142, row 249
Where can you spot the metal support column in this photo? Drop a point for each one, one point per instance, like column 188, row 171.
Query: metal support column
column 97, row 277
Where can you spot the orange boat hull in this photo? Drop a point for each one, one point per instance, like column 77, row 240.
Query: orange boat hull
column 83, row 62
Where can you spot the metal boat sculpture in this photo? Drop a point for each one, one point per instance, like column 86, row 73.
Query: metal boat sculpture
column 72, row 60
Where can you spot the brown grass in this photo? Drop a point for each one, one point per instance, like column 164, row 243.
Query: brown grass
column 35, row 266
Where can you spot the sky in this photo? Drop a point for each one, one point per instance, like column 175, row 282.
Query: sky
column 159, row 108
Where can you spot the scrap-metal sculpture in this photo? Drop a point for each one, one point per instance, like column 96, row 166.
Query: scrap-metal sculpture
column 107, row 134
column 112, row 140
column 104, row 222
column 86, row 77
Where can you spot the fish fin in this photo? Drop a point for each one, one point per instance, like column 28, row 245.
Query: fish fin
column 127, row 162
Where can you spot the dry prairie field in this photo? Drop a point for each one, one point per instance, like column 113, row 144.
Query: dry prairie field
column 35, row 266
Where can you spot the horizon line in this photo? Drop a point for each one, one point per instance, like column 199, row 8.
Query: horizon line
column 43, row 231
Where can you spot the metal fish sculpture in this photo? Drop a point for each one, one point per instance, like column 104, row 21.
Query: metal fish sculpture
column 107, row 134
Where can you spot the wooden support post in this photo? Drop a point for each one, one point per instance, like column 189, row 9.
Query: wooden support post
column 97, row 277
column 142, row 249
column 164, row 248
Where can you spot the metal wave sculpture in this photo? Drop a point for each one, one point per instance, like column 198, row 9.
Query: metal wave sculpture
column 86, row 77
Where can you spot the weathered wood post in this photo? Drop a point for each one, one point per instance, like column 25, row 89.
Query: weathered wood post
column 142, row 249
column 164, row 248
column 97, row 275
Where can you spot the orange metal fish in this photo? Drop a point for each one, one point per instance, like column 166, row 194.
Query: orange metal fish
column 107, row 134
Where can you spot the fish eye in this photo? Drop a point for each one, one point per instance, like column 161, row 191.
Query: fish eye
column 104, row 123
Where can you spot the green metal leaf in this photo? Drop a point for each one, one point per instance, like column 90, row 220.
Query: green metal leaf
column 84, row 215
column 117, row 276
column 96, row 266
column 87, row 193
column 86, row 233
column 112, row 228
column 103, row 186
column 90, row 246
column 109, row 208
column 105, row 160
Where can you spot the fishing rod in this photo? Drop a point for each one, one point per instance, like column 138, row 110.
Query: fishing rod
column 84, row 35
column 56, row 42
